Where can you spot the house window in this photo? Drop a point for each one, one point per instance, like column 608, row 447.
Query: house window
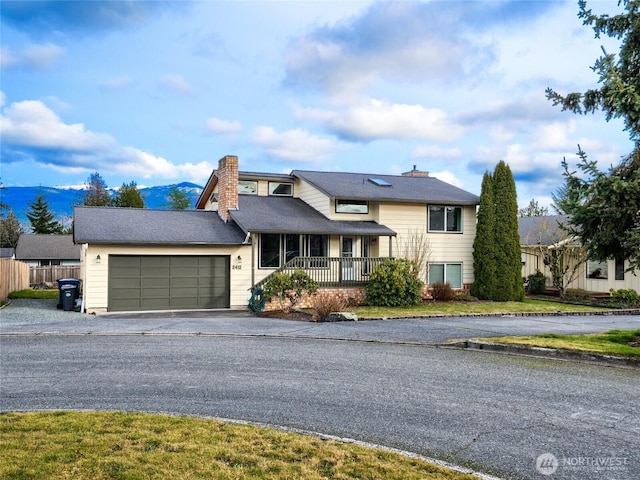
column 269, row 250
column 445, row 219
column 619, row 269
column 274, row 247
column 597, row 270
column 352, row 206
column 247, row 187
column 48, row 263
column 446, row 273
column 281, row 189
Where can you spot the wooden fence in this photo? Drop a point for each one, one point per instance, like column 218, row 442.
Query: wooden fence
column 14, row 275
column 51, row 273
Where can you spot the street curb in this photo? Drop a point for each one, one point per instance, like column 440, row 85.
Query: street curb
column 577, row 313
column 544, row 352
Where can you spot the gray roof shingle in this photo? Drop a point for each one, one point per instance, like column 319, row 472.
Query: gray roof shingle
column 292, row 215
column 358, row 186
column 543, row 230
column 145, row 226
column 47, row 247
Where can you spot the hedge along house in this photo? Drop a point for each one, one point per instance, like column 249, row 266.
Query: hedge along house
column 335, row 226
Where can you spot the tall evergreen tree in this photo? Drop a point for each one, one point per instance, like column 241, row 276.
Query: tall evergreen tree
column 128, row 196
column 95, row 192
column 10, row 230
column 41, row 218
column 484, row 244
column 508, row 257
column 177, row 199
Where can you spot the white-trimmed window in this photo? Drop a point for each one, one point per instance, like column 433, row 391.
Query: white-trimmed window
column 446, row 273
column 597, row 270
column 445, row 219
column 247, row 187
column 281, row 189
column 352, row 206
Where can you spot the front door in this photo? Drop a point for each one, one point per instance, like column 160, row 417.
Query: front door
column 348, row 251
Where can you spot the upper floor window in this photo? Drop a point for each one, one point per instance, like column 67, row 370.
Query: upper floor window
column 281, row 189
column 247, row 187
column 352, row 206
column 445, row 219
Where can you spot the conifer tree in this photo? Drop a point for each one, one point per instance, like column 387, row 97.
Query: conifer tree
column 484, row 265
column 507, row 240
column 128, row 196
column 41, row 218
column 177, row 199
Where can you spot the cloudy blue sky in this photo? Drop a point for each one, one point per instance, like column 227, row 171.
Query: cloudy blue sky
column 156, row 92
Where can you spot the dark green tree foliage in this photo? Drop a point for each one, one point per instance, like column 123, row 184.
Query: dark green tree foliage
column 10, row 231
column 607, row 220
column 95, row 192
column 604, row 205
column 177, row 199
column 395, row 283
column 128, row 196
column 509, row 285
column 41, row 218
column 484, row 244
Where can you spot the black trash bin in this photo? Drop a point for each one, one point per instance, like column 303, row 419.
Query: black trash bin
column 68, row 293
column 67, row 282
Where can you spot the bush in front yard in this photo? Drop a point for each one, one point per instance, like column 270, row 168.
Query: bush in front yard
column 325, row 303
column 625, row 297
column 442, row 292
column 394, row 283
column 536, row 283
column 289, row 289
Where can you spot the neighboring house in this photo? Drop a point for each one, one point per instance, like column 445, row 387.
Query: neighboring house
column 42, row 250
column 335, row 226
column 538, row 234
column 6, row 252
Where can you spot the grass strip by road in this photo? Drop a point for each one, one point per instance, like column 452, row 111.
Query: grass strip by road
column 101, row 445
column 613, row 342
column 471, row 308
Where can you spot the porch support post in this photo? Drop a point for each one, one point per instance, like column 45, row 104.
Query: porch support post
column 390, row 246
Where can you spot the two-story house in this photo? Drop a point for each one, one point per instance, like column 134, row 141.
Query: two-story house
column 336, row 226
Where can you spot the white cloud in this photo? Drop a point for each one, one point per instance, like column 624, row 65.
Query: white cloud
column 33, row 56
column 30, row 130
column 449, row 177
column 296, row 145
column 176, row 83
column 225, row 127
column 377, row 119
column 435, row 151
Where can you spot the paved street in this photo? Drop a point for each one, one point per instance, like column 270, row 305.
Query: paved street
column 377, row 381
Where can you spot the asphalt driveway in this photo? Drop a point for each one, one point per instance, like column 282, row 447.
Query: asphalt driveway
column 377, row 381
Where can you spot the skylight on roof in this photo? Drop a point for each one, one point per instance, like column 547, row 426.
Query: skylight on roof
column 379, row 182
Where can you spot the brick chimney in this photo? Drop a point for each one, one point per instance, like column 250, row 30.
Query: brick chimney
column 415, row 173
column 227, row 186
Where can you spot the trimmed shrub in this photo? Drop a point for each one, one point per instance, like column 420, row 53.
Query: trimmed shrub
column 626, row 297
column 536, row 283
column 394, row 283
column 289, row 289
column 442, row 292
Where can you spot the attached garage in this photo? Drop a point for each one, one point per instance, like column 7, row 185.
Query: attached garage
column 168, row 282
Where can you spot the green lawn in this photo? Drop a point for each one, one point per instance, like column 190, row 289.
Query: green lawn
column 613, row 342
column 466, row 308
column 36, row 294
column 118, row 445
